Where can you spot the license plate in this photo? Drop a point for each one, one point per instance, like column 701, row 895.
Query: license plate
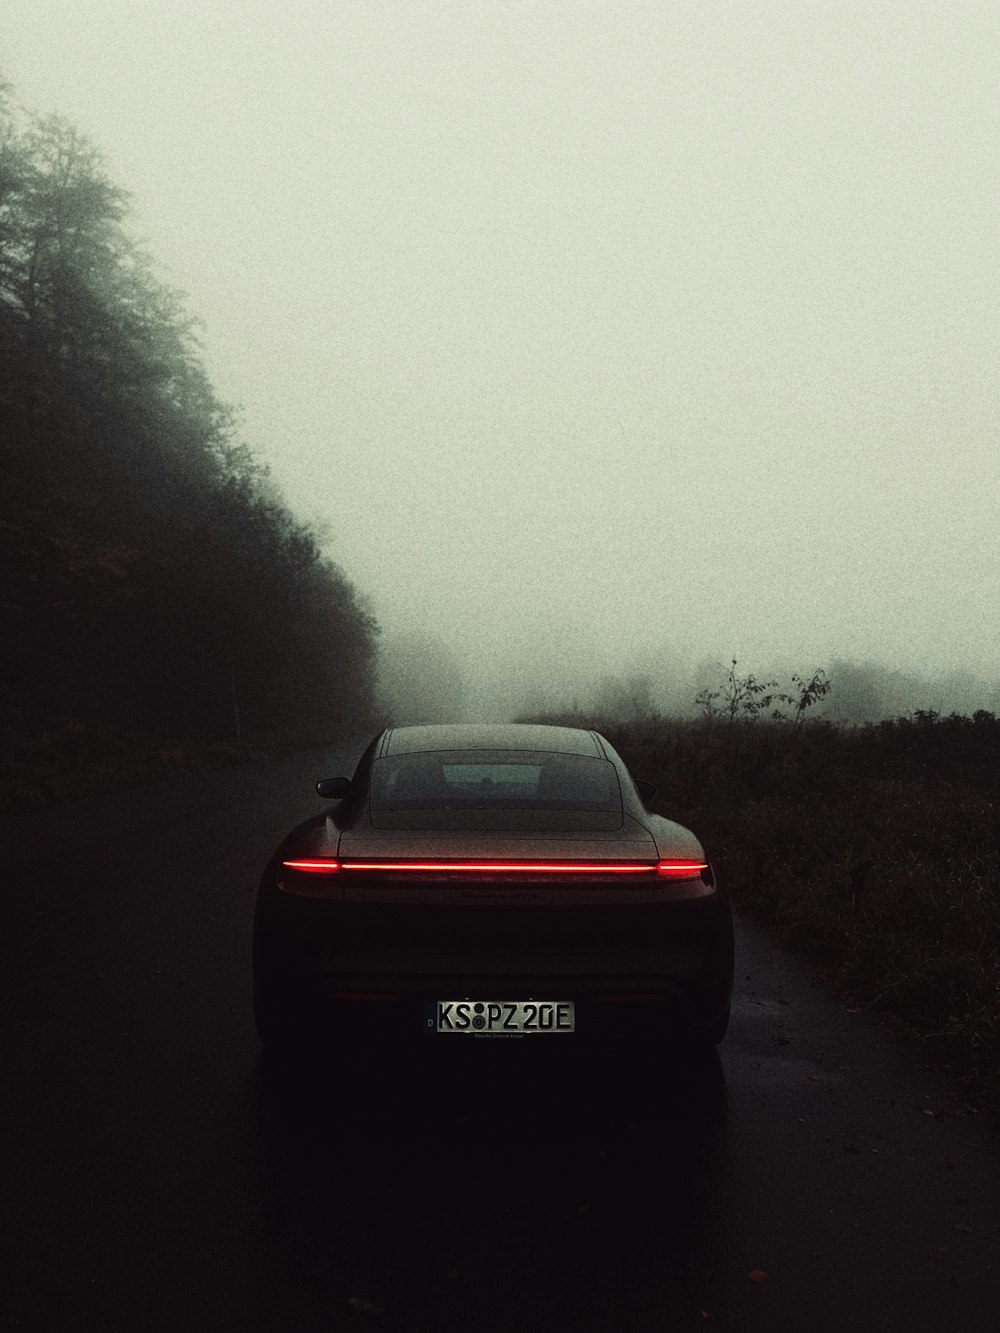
column 500, row 1018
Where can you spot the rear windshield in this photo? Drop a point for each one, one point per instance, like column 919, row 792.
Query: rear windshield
column 495, row 789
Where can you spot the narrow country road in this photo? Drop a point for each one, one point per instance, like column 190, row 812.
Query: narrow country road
column 158, row 1174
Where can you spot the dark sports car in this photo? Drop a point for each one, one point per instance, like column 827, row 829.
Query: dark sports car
column 490, row 882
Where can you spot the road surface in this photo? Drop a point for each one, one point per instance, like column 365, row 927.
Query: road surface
column 158, row 1174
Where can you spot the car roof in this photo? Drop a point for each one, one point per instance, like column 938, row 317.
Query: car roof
column 492, row 736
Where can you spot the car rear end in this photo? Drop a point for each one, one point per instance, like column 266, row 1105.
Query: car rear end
column 430, row 917
column 400, row 951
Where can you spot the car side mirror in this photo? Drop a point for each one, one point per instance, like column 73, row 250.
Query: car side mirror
column 333, row 789
column 646, row 790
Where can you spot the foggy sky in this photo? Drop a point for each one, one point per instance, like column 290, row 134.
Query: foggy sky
column 597, row 335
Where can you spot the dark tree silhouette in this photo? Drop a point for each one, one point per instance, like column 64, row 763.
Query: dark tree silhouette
column 153, row 578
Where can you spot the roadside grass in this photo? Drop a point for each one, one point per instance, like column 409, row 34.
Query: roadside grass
column 875, row 849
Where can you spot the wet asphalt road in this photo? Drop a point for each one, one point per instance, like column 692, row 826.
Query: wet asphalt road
column 158, row 1174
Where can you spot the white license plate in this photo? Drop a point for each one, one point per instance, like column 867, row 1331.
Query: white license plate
column 502, row 1018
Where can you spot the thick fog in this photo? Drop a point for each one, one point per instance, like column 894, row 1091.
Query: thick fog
column 602, row 340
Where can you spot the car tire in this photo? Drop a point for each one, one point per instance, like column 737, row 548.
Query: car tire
column 271, row 1018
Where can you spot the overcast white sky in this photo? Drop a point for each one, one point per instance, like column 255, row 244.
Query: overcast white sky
column 597, row 331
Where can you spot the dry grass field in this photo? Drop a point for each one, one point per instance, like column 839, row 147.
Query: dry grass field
column 874, row 848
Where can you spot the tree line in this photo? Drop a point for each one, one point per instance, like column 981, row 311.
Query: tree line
column 153, row 578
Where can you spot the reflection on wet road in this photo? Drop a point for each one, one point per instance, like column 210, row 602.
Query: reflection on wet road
column 545, row 1195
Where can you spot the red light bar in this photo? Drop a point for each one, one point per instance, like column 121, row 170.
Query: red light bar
column 680, row 869
column 674, row 869
column 505, row 867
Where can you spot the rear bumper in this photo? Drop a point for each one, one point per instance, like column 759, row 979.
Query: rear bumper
column 404, row 1017
column 636, row 971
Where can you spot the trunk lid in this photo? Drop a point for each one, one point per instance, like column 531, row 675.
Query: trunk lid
column 466, row 869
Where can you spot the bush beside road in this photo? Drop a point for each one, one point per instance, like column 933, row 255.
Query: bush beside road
column 875, row 848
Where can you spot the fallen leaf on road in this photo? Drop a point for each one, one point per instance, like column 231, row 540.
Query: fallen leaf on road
column 363, row 1304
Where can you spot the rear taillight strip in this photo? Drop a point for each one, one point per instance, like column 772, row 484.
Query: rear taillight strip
column 680, row 869
column 673, row 869
column 502, row 867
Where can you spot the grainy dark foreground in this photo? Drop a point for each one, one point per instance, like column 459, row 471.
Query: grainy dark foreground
column 158, row 1175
